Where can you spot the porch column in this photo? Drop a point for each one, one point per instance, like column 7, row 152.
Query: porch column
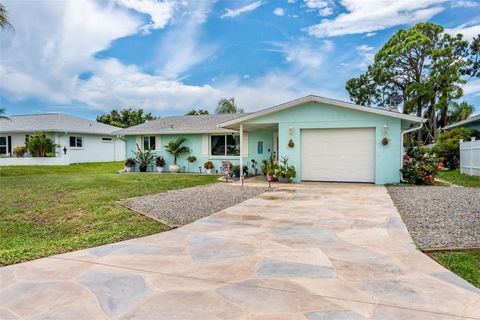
column 241, row 151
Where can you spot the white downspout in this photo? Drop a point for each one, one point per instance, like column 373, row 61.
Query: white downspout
column 241, row 151
column 401, row 144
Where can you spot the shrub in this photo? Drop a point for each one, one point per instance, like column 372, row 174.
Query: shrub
column 160, row 161
column 420, row 165
column 130, row 162
column 208, row 165
column 19, row 151
column 448, row 145
column 144, row 158
column 39, row 146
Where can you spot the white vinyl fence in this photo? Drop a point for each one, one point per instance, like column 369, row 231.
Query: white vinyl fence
column 470, row 157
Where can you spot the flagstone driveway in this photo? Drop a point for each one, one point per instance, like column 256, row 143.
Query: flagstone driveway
column 309, row 251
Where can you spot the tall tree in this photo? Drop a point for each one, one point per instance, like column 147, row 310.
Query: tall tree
column 425, row 66
column 125, row 118
column 4, row 22
column 198, row 112
column 228, row 106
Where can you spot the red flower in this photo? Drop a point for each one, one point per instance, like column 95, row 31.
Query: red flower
column 406, row 157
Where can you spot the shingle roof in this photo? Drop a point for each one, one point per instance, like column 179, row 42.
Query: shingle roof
column 54, row 122
column 182, row 124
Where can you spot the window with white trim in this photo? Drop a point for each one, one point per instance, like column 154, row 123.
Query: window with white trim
column 76, row 142
column 225, row 145
column 149, row 143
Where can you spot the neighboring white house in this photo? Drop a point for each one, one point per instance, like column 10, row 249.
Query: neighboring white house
column 79, row 140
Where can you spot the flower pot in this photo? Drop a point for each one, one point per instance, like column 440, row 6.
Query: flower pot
column 159, row 169
column 143, row 168
column 270, row 177
column 209, row 171
column 128, row 169
column 173, row 168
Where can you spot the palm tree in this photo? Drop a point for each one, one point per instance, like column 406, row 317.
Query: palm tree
column 2, row 111
column 4, row 23
column 459, row 111
column 228, row 106
column 175, row 148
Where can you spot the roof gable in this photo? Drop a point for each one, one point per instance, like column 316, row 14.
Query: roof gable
column 470, row 121
column 317, row 99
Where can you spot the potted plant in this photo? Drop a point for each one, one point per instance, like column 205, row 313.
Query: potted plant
column 19, row 151
column 208, row 166
column 236, row 170
column 175, row 148
column 144, row 158
column 129, row 164
column 191, row 159
column 254, row 167
column 160, row 163
column 263, row 167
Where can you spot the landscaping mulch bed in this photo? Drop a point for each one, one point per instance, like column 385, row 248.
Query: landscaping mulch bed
column 179, row 207
column 439, row 217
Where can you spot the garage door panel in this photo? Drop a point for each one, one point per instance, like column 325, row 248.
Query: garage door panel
column 338, row 154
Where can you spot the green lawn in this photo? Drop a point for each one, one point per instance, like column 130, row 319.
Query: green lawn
column 457, row 178
column 50, row 210
column 466, row 264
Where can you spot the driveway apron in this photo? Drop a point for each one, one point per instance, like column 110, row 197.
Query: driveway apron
column 305, row 251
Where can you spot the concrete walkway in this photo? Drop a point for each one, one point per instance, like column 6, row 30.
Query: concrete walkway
column 308, row 251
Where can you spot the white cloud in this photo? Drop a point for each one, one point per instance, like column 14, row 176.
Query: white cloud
column 367, row 55
column 472, row 88
column 469, row 29
column 372, row 15
column 182, row 47
column 370, row 34
column 160, row 12
column 279, row 12
column 316, row 4
column 231, row 13
column 45, row 64
column 464, row 4
column 326, row 12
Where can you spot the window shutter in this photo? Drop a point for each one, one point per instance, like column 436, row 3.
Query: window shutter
column 138, row 141
column 205, row 145
column 158, row 142
column 245, row 144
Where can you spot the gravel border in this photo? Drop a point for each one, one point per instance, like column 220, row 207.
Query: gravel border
column 178, row 207
column 439, row 217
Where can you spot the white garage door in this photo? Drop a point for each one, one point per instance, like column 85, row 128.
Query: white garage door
column 338, row 155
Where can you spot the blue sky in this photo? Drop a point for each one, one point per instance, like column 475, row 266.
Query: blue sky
column 87, row 57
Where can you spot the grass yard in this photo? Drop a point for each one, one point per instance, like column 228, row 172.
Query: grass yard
column 50, row 210
column 457, row 178
column 466, row 264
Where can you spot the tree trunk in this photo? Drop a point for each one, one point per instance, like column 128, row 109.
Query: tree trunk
column 433, row 117
column 419, row 114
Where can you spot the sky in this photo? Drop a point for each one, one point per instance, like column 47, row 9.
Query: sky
column 87, row 57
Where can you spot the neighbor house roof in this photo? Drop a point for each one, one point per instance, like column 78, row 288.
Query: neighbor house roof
column 182, row 124
column 54, row 122
column 317, row 99
column 471, row 120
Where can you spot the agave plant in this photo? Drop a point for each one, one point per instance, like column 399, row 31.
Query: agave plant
column 175, row 148
column 144, row 158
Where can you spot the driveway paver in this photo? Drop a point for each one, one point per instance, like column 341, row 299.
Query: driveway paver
column 306, row 251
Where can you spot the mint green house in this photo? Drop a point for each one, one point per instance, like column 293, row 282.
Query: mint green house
column 326, row 140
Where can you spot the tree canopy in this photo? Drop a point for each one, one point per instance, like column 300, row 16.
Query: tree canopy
column 125, row 118
column 423, row 65
column 2, row 111
column 228, row 106
column 4, row 22
column 198, row 112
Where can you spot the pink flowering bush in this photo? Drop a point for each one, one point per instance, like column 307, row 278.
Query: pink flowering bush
column 420, row 165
